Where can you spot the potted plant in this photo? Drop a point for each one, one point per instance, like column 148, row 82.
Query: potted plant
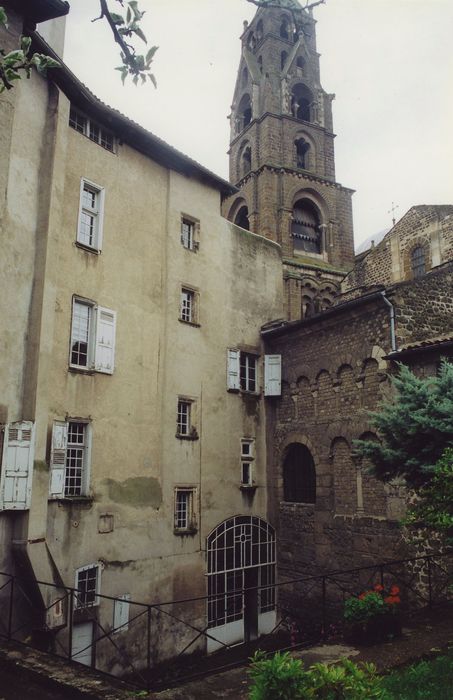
column 373, row 616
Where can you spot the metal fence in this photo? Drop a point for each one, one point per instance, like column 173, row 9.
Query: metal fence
column 154, row 645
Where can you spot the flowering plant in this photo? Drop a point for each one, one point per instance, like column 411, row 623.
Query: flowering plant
column 372, row 603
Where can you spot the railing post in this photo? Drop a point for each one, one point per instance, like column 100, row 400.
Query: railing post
column 381, row 572
column 323, row 631
column 11, row 604
column 430, row 587
column 148, row 650
column 71, row 615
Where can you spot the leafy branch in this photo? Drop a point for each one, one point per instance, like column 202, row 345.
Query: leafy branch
column 128, row 27
column 12, row 63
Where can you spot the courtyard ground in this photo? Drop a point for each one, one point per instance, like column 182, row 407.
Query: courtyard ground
column 26, row 673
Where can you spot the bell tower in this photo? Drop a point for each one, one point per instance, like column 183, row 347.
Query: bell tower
column 282, row 156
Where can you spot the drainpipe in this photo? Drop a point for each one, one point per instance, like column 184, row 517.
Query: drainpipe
column 392, row 321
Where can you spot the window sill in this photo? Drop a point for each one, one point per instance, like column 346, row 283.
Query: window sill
column 66, row 500
column 248, row 488
column 194, row 436
column 87, row 248
column 243, row 392
column 189, row 323
column 185, row 531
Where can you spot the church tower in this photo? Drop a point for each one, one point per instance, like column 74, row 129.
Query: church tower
column 282, row 156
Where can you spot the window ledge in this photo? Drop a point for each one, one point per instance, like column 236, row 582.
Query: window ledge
column 87, row 248
column 248, row 488
column 185, row 531
column 193, row 436
column 65, row 500
column 81, row 370
column 189, row 323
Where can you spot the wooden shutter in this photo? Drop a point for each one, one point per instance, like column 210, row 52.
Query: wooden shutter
column 58, row 458
column 17, row 466
column 272, row 375
column 121, row 613
column 104, row 357
column 233, row 369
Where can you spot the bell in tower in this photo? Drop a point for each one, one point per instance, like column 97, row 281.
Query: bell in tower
column 282, row 155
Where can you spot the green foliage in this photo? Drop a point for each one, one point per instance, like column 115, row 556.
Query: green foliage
column 19, row 60
column 426, row 680
column 284, row 678
column 370, row 604
column 414, row 430
column 434, row 508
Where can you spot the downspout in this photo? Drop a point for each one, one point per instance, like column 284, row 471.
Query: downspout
column 392, row 322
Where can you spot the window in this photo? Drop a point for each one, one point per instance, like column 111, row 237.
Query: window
column 299, row 475
column 247, row 458
column 306, row 227
column 186, row 419
column 185, row 509
column 86, row 126
column 92, row 337
column 87, row 584
column 91, row 211
column 187, row 234
column 418, row 262
column 302, row 148
column 69, row 458
column 188, row 306
column 247, row 367
column 242, row 371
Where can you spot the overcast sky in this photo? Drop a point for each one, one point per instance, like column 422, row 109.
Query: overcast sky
column 389, row 62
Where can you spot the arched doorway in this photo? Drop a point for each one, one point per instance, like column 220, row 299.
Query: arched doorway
column 241, row 559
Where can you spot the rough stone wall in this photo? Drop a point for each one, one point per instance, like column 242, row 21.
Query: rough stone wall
column 426, row 226
column 334, row 372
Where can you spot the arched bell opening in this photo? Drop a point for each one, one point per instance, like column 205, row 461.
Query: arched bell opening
column 306, row 227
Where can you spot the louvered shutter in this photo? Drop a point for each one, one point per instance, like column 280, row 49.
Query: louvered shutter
column 272, row 375
column 233, row 369
column 121, row 613
column 104, row 358
column 58, row 458
column 17, row 466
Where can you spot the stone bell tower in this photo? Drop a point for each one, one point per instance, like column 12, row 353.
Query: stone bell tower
column 282, row 156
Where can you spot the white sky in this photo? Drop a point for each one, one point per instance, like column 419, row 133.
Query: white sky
column 389, row 62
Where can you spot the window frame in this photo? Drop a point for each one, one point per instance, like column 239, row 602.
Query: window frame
column 236, row 381
column 92, row 129
column 247, row 461
column 248, row 361
column 190, row 525
column 97, row 213
column 86, row 458
column 190, row 433
column 191, row 242
column 95, row 343
column 78, row 605
column 189, row 299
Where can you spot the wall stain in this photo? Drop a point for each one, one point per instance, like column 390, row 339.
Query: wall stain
column 136, row 491
column 40, row 466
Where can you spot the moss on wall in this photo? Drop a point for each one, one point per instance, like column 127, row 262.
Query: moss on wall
column 136, row 491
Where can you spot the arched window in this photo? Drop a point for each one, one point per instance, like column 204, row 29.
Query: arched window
column 302, row 148
column 246, row 160
column 300, row 62
column 259, row 30
column 306, row 227
column 245, row 76
column 301, row 102
column 284, row 29
column 299, row 475
column 418, row 262
column 283, row 57
column 308, row 306
column 242, row 218
column 244, row 113
column 251, row 41
column 260, row 63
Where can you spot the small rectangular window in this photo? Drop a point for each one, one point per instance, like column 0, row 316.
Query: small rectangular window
column 76, row 459
column 187, row 305
column 185, row 509
column 187, row 234
column 247, row 459
column 90, row 128
column 87, row 584
column 91, row 210
column 247, row 372
column 183, row 425
column 81, row 333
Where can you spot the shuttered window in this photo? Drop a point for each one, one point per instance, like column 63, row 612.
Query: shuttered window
column 17, row 466
column 93, row 332
column 91, row 214
column 69, row 459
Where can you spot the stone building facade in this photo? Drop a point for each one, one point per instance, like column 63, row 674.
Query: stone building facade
column 282, row 157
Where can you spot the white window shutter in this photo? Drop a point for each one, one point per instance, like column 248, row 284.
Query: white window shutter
column 233, row 369
column 58, row 458
column 104, row 356
column 272, row 375
column 121, row 613
column 17, row 466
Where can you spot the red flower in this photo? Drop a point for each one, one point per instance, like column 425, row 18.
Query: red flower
column 392, row 599
column 394, row 590
column 378, row 587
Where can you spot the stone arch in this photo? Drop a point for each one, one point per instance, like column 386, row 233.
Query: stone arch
column 302, row 101
column 243, row 113
column 285, row 409
column 325, row 396
column 299, row 474
column 239, row 213
column 374, row 496
column 371, row 383
column 244, row 162
column 344, row 477
column 305, row 399
column 348, row 395
column 285, row 27
column 307, row 226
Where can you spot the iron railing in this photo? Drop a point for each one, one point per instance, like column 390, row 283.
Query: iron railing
column 132, row 640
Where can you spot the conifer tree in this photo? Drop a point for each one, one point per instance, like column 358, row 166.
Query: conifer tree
column 414, row 430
